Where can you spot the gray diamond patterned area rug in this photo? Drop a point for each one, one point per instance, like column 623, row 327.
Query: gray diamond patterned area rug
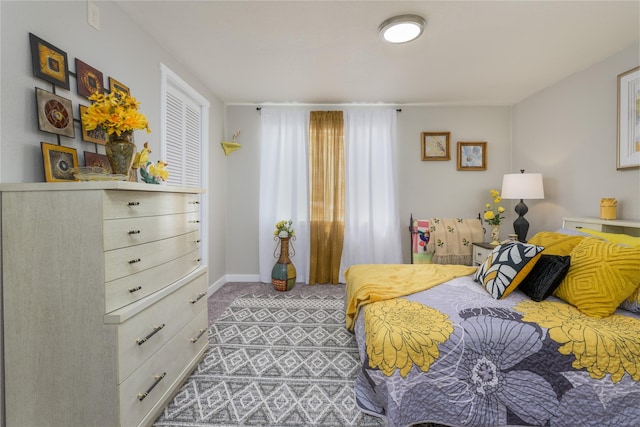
column 274, row 360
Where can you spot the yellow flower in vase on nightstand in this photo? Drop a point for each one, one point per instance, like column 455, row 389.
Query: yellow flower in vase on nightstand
column 493, row 216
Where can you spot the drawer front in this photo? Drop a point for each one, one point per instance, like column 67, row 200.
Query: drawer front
column 480, row 254
column 143, row 334
column 576, row 225
column 130, row 204
column 127, row 261
column 126, row 290
column 122, row 233
column 162, row 373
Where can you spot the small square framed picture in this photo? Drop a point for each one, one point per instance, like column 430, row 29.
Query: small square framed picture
column 54, row 113
column 49, row 62
column 97, row 160
column 435, row 146
column 472, row 156
column 88, row 79
column 116, row 85
column 97, row 135
column 58, row 162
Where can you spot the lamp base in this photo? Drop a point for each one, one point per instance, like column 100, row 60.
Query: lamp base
column 521, row 225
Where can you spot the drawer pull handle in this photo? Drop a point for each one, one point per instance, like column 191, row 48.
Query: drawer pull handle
column 197, row 241
column 195, row 221
column 199, row 297
column 194, row 340
column 133, row 232
column 195, row 202
column 157, row 378
column 133, row 261
column 156, row 329
column 198, row 259
column 136, row 289
column 133, row 203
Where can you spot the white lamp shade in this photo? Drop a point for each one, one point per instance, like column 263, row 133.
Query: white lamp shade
column 522, row 186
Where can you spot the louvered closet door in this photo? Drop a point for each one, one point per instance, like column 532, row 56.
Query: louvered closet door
column 183, row 126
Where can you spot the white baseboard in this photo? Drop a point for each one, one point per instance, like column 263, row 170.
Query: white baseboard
column 232, row 278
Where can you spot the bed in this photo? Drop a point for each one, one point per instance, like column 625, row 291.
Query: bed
column 555, row 342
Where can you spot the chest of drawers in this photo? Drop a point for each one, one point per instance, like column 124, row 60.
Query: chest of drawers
column 104, row 301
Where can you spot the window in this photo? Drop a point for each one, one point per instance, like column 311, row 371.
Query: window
column 184, row 131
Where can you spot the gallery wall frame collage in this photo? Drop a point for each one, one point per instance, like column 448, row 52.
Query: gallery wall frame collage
column 472, row 156
column 55, row 113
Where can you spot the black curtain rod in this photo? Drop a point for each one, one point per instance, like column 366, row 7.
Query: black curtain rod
column 399, row 110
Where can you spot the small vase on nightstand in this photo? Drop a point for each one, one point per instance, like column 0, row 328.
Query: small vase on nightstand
column 495, row 235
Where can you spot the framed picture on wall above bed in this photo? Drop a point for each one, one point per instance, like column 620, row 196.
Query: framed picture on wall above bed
column 435, row 146
column 472, row 156
column 629, row 119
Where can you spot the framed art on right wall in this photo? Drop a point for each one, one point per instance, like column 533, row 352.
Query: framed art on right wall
column 472, row 156
column 629, row 119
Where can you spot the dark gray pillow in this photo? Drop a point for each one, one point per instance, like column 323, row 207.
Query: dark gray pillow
column 545, row 276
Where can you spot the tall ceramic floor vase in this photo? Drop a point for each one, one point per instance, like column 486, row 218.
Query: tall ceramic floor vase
column 121, row 151
column 283, row 275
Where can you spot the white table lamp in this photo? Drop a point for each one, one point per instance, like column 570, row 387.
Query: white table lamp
column 522, row 186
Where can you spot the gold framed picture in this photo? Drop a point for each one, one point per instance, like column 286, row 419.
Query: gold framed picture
column 58, row 162
column 97, row 135
column 435, row 146
column 472, row 156
column 114, row 84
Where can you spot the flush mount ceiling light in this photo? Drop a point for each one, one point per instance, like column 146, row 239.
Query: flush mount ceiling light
column 402, row 28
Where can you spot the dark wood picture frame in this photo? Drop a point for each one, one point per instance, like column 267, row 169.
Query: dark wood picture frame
column 472, row 156
column 55, row 113
column 98, row 160
column 435, row 145
column 49, row 62
column 97, row 135
column 115, row 84
column 88, row 79
column 58, row 162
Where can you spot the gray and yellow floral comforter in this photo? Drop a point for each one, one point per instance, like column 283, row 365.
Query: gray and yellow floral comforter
column 454, row 355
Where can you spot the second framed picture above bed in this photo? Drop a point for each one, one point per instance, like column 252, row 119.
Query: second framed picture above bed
column 472, row 156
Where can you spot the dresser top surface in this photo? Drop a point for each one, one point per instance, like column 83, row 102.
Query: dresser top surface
column 96, row 185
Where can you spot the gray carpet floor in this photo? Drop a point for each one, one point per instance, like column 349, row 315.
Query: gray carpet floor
column 221, row 299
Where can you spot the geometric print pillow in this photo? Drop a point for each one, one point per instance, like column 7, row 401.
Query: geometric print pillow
column 602, row 275
column 506, row 267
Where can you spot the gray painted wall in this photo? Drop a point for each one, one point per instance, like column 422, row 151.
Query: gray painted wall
column 568, row 133
column 119, row 50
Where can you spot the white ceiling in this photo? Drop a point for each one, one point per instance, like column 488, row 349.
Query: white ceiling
column 329, row 52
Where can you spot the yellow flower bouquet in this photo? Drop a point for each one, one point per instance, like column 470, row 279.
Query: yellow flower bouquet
column 116, row 112
column 493, row 214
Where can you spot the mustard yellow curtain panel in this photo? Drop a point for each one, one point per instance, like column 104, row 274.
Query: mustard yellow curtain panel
column 326, row 141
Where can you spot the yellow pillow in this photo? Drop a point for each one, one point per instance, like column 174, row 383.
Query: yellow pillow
column 555, row 243
column 601, row 276
column 621, row 239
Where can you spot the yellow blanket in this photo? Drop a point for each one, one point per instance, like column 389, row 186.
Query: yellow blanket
column 368, row 283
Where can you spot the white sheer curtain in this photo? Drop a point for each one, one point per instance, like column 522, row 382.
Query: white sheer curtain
column 284, row 182
column 372, row 218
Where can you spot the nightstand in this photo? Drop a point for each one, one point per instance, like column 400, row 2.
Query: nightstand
column 481, row 251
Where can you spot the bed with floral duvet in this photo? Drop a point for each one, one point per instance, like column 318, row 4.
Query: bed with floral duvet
column 542, row 334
